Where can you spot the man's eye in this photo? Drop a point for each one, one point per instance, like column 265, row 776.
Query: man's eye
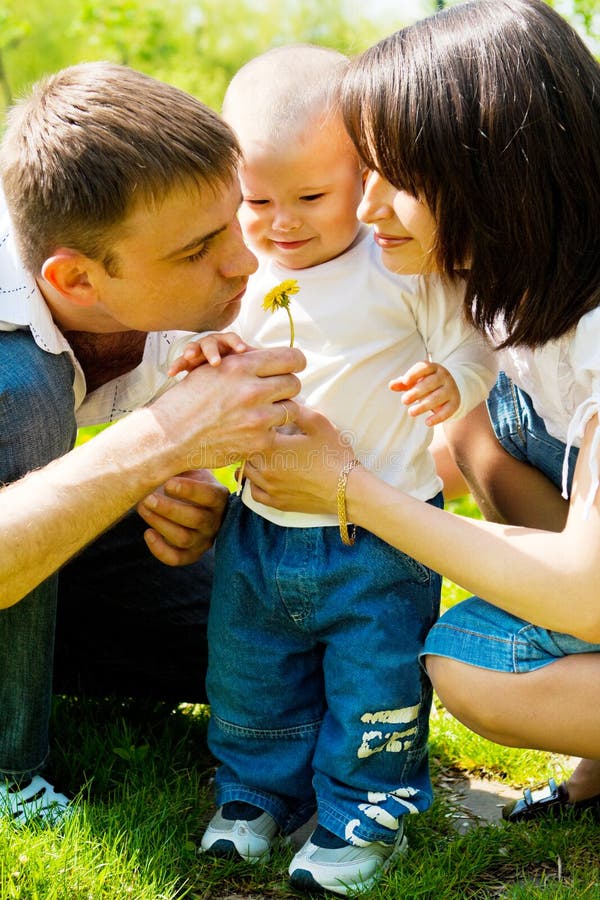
column 199, row 254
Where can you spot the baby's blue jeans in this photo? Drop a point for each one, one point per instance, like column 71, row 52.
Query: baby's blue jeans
column 317, row 697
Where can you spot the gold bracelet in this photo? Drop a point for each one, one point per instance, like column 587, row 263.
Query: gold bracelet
column 348, row 538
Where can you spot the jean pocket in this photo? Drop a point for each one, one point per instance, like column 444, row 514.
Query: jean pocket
column 404, row 567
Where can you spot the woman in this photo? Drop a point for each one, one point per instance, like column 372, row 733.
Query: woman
column 481, row 128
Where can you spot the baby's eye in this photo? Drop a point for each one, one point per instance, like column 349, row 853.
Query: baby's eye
column 311, row 197
column 254, row 202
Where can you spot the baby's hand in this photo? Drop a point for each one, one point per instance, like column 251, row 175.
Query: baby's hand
column 210, row 348
column 431, row 388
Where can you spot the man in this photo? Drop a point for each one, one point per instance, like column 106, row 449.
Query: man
column 122, row 201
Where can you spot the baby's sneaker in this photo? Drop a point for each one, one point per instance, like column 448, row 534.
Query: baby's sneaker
column 240, row 831
column 328, row 863
column 33, row 799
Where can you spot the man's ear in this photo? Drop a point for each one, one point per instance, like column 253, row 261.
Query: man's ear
column 72, row 275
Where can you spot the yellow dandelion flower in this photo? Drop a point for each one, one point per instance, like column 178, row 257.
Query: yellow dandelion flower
column 279, row 297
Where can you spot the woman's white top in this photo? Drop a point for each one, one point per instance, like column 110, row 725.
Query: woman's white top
column 563, row 381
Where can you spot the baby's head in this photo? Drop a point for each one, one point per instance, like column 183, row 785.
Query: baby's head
column 301, row 177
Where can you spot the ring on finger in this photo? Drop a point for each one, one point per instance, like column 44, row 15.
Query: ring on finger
column 287, row 414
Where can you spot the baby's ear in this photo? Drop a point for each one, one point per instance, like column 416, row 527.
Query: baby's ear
column 72, row 275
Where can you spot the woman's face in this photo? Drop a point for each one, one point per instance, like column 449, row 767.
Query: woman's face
column 404, row 227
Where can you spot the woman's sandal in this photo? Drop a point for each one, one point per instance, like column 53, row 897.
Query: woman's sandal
column 550, row 800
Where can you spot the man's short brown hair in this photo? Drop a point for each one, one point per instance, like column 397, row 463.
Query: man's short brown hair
column 93, row 140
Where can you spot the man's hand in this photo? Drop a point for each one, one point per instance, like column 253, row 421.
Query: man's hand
column 184, row 516
column 218, row 415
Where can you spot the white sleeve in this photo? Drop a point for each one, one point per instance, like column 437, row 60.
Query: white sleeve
column 180, row 341
column 585, row 367
column 177, row 346
column 455, row 344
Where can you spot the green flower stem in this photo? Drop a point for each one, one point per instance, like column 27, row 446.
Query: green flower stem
column 292, row 333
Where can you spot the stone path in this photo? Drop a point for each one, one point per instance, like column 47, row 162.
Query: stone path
column 478, row 801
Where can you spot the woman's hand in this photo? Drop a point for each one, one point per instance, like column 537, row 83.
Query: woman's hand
column 184, row 516
column 301, row 471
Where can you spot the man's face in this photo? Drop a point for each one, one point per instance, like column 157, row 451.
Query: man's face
column 180, row 265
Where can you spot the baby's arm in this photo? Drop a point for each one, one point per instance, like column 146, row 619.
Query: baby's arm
column 428, row 387
column 210, row 348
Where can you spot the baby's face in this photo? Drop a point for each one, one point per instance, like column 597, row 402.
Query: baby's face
column 300, row 200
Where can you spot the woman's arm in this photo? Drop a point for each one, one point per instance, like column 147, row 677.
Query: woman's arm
column 504, row 488
column 549, row 578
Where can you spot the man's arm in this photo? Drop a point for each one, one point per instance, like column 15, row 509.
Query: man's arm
column 52, row 513
column 208, row 420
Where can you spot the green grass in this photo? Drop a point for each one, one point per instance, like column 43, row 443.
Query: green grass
column 146, row 797
column 143, row 774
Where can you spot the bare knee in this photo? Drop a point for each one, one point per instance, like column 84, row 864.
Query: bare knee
column 474, row 696
column 451, row 688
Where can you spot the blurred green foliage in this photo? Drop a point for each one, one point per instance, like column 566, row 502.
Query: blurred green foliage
column 195, row 44
column 586, row 13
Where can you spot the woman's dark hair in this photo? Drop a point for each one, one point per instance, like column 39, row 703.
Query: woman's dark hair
column 490, row 112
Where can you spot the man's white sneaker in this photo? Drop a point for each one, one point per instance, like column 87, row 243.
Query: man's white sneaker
column 240, row 838
column 34, row 800
column 342, row 869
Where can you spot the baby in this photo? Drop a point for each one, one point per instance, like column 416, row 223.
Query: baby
column 317, row 697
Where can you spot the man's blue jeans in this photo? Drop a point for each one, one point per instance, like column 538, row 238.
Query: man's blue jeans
column 127, row 624
column 317, row 696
